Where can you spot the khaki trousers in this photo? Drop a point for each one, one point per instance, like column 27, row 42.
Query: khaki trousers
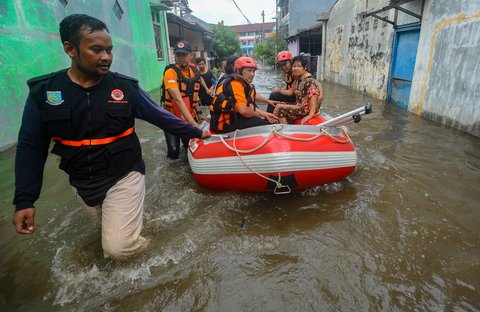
column 121, row 217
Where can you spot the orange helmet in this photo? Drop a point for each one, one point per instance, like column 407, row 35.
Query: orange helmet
column 283, row 56
column 244, row 61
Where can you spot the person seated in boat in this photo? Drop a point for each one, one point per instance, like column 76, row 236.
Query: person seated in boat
column 308, row 92
column 233, row 106
column 284, row 60
column 229, row 70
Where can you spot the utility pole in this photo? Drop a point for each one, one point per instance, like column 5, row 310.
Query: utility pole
column 263, row 29
column 276, row 34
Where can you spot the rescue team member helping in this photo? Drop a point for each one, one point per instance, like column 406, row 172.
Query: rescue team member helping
column 180, row 87
column 233, row 106
column 284, row 60
column 90, row 112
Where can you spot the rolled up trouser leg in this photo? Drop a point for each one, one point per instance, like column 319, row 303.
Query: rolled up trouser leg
column 121, row 217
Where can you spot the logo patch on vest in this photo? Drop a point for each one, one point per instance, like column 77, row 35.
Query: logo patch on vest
column 117, row 95
column 54, row 98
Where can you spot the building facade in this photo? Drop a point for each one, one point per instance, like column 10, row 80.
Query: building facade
column 414, row 53
column 30, row 46
column 251, row 34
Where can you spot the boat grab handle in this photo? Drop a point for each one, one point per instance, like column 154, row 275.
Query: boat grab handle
column 282, row 189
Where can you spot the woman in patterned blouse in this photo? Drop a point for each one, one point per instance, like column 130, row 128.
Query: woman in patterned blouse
column 309, row 95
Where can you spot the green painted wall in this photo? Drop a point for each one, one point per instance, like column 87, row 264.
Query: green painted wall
column 30, row 46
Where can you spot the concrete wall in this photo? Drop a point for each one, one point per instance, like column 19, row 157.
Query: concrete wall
column 358, row 50
column 30, row 46
column 446, row 84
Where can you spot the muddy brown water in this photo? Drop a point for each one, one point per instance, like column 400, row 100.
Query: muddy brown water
column 400, row 234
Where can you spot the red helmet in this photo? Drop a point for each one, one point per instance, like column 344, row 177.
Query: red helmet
column 244, row 61
column 283, row 56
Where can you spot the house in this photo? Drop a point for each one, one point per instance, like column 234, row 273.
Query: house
column 300, row 29
column 251, row 34
column 182, row 25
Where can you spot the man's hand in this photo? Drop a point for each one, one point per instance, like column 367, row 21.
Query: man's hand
column 210, row 91
column 206, row 134
column 271, row 117
column 24, row 221
column 272, row 102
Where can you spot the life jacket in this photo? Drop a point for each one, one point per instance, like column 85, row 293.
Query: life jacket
column 289, row 79
column 188, row 87
column 222, row 110
column 92, row 128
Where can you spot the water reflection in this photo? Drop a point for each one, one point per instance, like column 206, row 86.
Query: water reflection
column 401, row 233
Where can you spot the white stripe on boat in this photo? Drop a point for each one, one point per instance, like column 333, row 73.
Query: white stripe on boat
column 273, row 162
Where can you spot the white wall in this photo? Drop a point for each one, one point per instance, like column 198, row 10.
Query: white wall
column 446, row 83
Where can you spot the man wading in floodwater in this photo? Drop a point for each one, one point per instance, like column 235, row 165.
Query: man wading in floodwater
column 89, row 112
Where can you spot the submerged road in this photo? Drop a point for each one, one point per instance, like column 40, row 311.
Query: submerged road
column 400, row 234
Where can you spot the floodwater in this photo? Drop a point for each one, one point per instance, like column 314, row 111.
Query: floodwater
column 400, row 234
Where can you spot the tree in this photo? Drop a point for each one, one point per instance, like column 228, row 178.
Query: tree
column 266, row 52
column 225, row 41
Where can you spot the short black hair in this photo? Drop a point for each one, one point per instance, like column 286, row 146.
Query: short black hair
column 72, row 25
column 200, row 59
column 301, row 59
column 230, row 63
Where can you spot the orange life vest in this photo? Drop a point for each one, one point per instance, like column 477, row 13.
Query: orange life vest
column 188, row 87
column 223, row 114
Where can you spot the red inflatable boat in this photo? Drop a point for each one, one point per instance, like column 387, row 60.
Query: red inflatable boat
column 276, row 158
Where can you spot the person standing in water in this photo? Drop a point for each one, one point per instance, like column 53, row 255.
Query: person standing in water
column 89, row 112
column 210, row 81
column 180, row 91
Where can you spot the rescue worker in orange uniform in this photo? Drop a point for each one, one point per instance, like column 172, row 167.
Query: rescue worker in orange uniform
column 233, row 106
column 285, row 94
column 180, row 88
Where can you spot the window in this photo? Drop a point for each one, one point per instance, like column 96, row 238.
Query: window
column 157, row 32
column 117, row 9
column 63, row 2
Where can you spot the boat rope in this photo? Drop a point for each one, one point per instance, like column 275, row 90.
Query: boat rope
column 323, row 131
column 277, row 183
column 234, row 149
column 274, row 131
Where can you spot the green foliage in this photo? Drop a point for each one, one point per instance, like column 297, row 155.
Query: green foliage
column 265, row 52
column 225, row 41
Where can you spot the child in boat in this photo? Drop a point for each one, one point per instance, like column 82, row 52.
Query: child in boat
column 308, row 92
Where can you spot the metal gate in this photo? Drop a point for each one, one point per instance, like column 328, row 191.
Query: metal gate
column 404, row 54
